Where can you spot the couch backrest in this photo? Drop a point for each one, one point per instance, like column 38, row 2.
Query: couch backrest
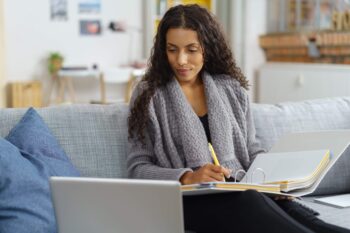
column 93, row 136
column 274, row 121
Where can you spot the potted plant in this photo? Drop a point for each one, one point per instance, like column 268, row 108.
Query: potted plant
column 55, row 62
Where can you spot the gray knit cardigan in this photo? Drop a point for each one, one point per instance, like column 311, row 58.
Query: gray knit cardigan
column 175, row 137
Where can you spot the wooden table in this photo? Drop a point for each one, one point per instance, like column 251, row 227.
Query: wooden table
column 64, row 80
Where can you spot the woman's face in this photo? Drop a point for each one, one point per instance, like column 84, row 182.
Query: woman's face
column 185, row 54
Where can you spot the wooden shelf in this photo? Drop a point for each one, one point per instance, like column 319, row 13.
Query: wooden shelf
column 332, row 46
column 25, row 94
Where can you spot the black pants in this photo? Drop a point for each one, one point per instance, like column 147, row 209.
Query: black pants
column 249, row 211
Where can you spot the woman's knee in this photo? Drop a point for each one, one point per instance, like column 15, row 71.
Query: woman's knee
column 251, row 195
column 256, row 202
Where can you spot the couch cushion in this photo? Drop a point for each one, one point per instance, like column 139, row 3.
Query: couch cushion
column 336, row 216
column 93, row 136
column 275, row 120
column 29, row 156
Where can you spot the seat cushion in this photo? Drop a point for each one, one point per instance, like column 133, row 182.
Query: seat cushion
column 330, row 214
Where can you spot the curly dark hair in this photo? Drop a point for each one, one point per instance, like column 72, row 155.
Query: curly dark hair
column 218, row 58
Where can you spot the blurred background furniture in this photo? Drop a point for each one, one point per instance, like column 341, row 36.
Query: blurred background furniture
column 307, row 31
column 64, row 80
column 307, row 49
column 125, row 77
column 297, row 81
column 23, row 94
column 120, row 76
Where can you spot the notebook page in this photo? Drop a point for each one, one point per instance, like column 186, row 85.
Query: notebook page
column 286, row 166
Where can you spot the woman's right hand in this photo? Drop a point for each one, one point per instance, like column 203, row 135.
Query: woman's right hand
column 208, row 173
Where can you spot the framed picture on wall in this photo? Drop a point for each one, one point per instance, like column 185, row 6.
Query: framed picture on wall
column 58, row 9
column 90, row 27
column 89, row 6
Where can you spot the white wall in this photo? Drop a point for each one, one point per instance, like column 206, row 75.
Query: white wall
column 236, row 30
column 30, row 36
column 245, row 21
column 255, row 19
column 2, row 62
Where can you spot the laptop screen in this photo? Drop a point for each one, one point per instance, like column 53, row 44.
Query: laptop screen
column 90, row 205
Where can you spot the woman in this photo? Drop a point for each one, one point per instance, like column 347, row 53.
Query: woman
column 193, row 93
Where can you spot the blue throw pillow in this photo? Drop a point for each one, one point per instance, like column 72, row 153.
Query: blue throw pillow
column 29, row 155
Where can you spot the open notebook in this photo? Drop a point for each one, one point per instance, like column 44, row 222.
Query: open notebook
column 290, row 170
column 297, row 165
column 220, row 187
column 273, row 173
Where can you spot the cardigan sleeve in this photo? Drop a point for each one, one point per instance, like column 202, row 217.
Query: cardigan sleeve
column 141, row 163
column 141, row 159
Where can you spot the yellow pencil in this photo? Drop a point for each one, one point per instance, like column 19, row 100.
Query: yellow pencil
column 213, row 155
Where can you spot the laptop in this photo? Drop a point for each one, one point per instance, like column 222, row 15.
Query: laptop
column 96, row 205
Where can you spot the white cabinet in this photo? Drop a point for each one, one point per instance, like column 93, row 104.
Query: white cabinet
column 280, row 82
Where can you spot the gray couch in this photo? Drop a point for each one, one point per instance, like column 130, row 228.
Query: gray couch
column 95, row 136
